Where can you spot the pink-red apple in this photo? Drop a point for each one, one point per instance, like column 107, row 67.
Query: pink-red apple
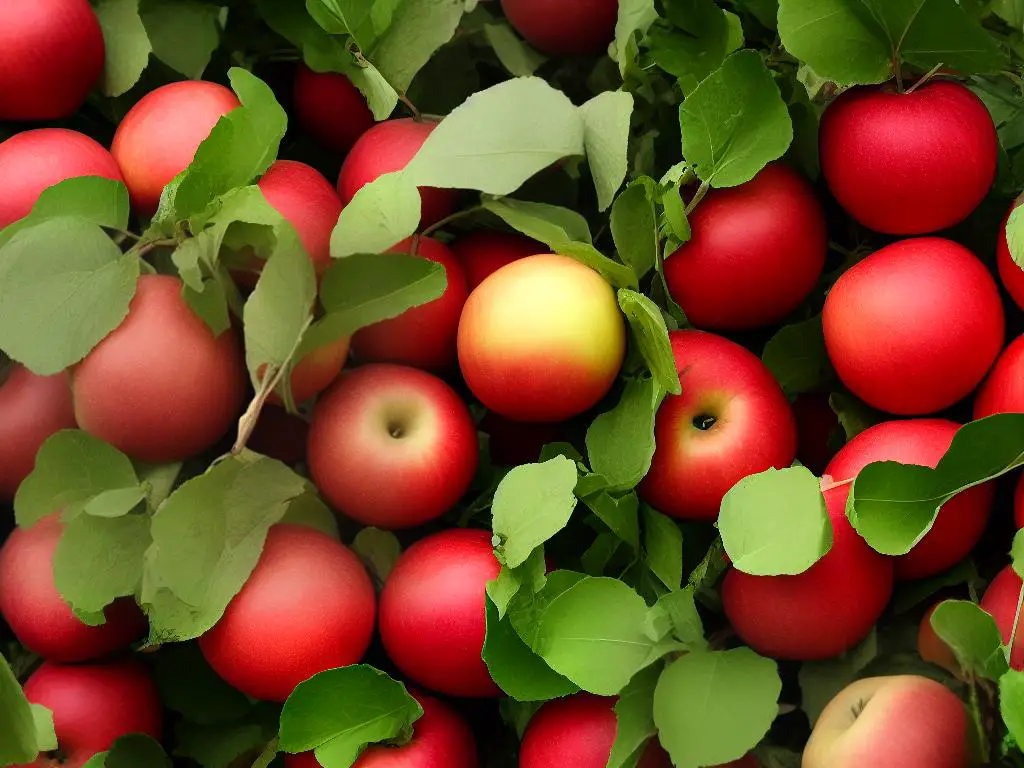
column 818, row 430
column 565, row 28
column 307, row 607
column 730, row 421
column 933, row 648
column 902, row 721
column 541, row 339
column 485, row 251
column 961, row 520
column 433, row 612
column 914, row 327
column 1003, row 388
column 908, row 163
column 31, row 161
column 388, row 147
column 159, row 136
column 755, row 253
column 31, row 409
column 392, row 446
column 315, row 372
column 280, row 435
column 51, row 55
column 330, row 108
column 424, row 336
column 1010, row 273
column 1000, row 601
column 38, row 615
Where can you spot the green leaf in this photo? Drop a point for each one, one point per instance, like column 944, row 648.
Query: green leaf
column 663, row 543
column 619, row 513
column 184, row 34
column 340, row 711
column 46, row 737
column 797, row 358
column 515, row 56
column 527, row 611
column 619, row 275
column 541, row 221
column 1011, row 703
column 696, row 46
column 343, row 17
column 606, row 137
column 712, row 707
column 620, row 442
column 973, row 636
column 1017, row 552
column 126, row 45
column 378, row 549
column 651, row 335
column 735, row 122
column 634, row 228
column 132, row 751
column 941, row 32
column 190, row 687
column 414, row 36
column 19, row 742
column 775, row 523
column 635, row 16
column 530, row 574
column 220, row 746
column 90, row 198
column 72, row 468
column 634, row 716
column 681, row 611
column 532, row 503
column 53, row 311
column 820, row 681
column 380, row 215
column 500, row 137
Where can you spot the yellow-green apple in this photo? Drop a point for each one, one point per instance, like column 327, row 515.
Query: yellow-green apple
column 541, row 339
column 565, row 28
column 485, row 251
column 308, row 606
column 731, row 420
column 1000, row 601
column 392, row 446
column 1003, row 388
column 901, row 721
column 933, row 648
column 330, row 108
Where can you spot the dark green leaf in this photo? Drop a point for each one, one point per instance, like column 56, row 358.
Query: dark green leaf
column 635, row 229
column 838, row 38
column 820, row 681
column 191, row 688
column 18, row 740
column 797, row 358
column 184, row 34
column 414, row 35
column 619, row 513
column 634, row 715
column 663, row 543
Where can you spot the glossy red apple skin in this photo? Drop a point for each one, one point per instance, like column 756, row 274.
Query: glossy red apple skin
column 1003, row 388
column 51, row 56
column 160, row 387
column 914, row 327
column 31, row 409
column 38, row 615
column 961, row 520
column 388, row 147
column 392, row 446
column 159, row 136
column 484, row 252
column 817, row 430
column 908, row 164
column 307, row 607
column 819, row 613
column 542, row 339
column 94, row 705
column 31, row 161
column 441, row 739
column 330, row 108
column 565, row 28
column 433, row 612
column 1011, row 275
column 751, row 427
column 756, row 252
column 1000, row 600
column 280, row 435
column 424, row 336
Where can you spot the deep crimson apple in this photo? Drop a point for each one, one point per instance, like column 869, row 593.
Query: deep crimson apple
column 756, row 252
column 31, row 161
column 31, row 409
column 280, row 435
column 51, row 55
column 914, row 327
column 961, row 520
column 731, row 420
column 330, row 108
column 160, row 387
column 424, row 336
column 388, row 147
column 307, row 607
column 159, row 136
column 433, row 612
column 392, row 446
column 485, row 251
column 1003, row 389
column 38, row 615
column 1011, row 274
column 817, row 430
column 908, row 163
column 541, row 339
column 441, row 739
column 1000, row 600
column 94, row 705
column 566, row 27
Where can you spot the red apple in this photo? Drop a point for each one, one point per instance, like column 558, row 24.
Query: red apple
column 1000, row 600
column 817, row 430
column 441, row 739
column 731, row 420
column 756, row 252
column 1003, row 389
column 433, row 612
column 159, row 136
column 315, row 372
column 1018, row 503
column 94, row 705
column 38, row 615
column 307, row 607
column 1009, row 272
column 565, row 28
column 932, row 648
column 908, row 163
column 424, row 336
column 392, row 446
column 31, row 409
column 914, row 327
column 280, row 435
column 160, row 387
column 903, row 721
column 31, row 161
column 961, row 520
column 330, row 108
column 485, row 251
column 51, row 55
column 388, row 147
column 541, row 339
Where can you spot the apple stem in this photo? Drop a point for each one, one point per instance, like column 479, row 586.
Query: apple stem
column 1016, row 621
column 697, row 197
column 927, row 76
column 836, row 484
column 411, row 107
